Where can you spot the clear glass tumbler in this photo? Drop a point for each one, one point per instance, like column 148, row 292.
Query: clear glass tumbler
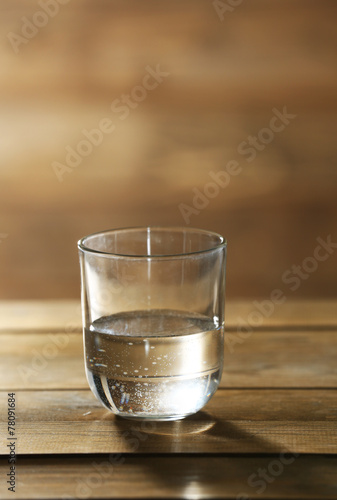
column 153, row 318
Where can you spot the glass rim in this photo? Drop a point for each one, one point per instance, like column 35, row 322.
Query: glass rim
column 222, row 243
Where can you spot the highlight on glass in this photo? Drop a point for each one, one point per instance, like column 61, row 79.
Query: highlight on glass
column 153, row 318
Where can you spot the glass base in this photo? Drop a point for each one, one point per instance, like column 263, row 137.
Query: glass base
column 154, row 418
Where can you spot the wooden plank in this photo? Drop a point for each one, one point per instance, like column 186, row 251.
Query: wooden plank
column 44, row 315
column 65, row 315
column 242, row 421
column 281, row 359
column 302, row 314
column 53, row 361
column 222, row 477
column 265, row 359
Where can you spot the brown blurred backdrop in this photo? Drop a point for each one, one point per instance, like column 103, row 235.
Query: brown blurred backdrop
column 229, row 67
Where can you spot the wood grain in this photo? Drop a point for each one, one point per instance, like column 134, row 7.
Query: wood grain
column 242, row 421
column 279, row 386
column 221, row 477
column 69, row 446
column 40, row 315
column 49, row 316
column 265, row 359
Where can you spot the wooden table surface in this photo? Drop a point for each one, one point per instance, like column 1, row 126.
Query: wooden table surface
column 270, row 431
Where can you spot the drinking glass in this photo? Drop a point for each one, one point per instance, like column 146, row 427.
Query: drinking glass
column 153, row 319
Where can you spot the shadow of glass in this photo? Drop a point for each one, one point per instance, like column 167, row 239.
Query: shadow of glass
column 199, row 433
column 205, row 448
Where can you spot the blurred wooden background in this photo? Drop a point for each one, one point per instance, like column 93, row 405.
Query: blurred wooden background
column 225, row 78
